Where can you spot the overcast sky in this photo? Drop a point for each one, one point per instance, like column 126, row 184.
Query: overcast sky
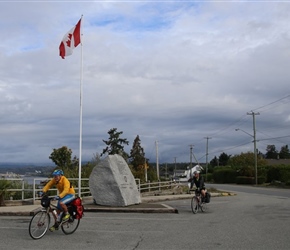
column 176, row 72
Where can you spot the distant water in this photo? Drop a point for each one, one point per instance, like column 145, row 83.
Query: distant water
column 30, row 179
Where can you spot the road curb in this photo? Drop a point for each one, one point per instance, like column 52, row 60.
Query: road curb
column 166, row 209
column 16, row 213
column 149, row 204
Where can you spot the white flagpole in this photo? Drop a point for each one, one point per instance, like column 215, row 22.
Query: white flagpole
column 81, row 118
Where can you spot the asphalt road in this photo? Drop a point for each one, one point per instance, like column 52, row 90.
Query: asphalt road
column 248, row 220
column 271, row 191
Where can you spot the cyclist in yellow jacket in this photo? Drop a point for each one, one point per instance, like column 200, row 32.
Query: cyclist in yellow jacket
column 65, row 196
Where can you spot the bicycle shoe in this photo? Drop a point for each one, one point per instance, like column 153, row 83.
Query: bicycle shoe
column 54, row 227
column 66, row 217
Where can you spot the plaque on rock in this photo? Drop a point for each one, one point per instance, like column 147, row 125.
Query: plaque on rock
column 112, row 183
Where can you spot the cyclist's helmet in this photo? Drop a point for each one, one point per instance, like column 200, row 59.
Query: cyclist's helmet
column 195, row 172
column 57, row 172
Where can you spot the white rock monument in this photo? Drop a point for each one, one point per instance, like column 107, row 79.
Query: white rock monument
column 112, row 183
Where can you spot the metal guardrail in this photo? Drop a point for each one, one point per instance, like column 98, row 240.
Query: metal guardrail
column 156, row 186
column 36, row 187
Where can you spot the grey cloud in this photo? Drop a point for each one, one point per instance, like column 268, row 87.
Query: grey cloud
column 176, row 77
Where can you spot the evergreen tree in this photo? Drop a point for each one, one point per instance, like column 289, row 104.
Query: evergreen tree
column 137, row 155
column 223, row 159
column 115, row 144
column 137, row 159
column 214, row 162
column 272, row 153
column 284, row 152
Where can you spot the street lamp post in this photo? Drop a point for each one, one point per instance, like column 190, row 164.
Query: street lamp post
column 255, row 151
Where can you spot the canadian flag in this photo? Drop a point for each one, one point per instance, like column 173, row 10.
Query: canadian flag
column 70, row 41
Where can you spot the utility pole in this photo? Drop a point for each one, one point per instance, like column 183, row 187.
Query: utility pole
column 157, row 161
column 190, row 165
column 206, row 166
column 255, row 143
column 175, row 166
column 192, row 154
column 166, row 175
column 145, row 165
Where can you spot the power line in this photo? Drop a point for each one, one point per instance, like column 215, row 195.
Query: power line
column 232, row 124
column 227, row 149
column 271, row 103
column 271, row 138
column 274, row 138
column 223, row 130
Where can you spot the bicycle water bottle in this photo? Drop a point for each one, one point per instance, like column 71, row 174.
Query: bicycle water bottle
column 54, row 212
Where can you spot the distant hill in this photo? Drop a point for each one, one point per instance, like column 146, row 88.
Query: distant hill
column 25, row 168
column 17, row 165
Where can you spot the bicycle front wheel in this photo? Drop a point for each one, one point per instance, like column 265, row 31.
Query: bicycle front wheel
column 70, row 226
column 39, row 224
column 194, row 204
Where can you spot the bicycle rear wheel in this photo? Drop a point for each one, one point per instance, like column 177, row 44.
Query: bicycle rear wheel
column 194, row 204
column 203, row 207
column 70, row 226
column 39, row 224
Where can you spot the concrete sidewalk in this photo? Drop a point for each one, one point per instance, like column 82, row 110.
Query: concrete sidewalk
column 149, row 204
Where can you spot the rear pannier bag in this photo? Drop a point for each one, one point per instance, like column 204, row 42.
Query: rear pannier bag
column 79, row 208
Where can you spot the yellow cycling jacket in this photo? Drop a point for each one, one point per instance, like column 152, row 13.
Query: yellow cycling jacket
column 63, row 186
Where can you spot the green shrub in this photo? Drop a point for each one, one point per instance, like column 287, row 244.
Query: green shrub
column 17, row 195
column 224, row 175
column 285, row 175
column 261, row 179
column 250, row 180
column 273, row 174
column 208, row 177
column 4, row 185
column 278, row 173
